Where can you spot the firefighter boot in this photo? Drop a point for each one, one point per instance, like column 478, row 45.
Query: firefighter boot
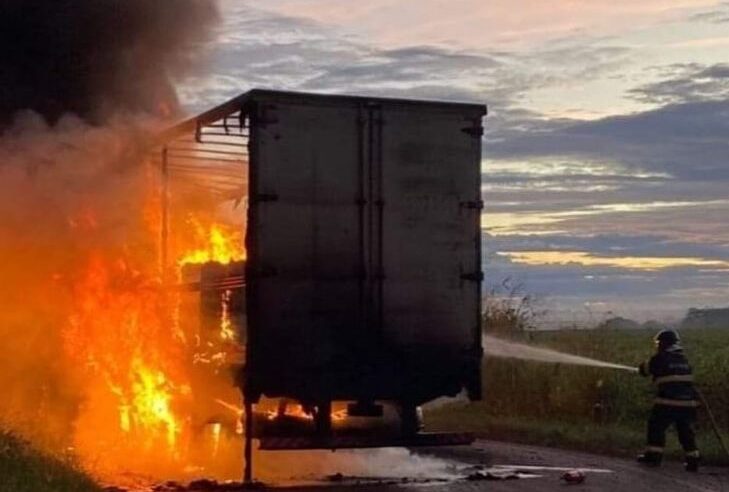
column 650, row 458
column 692, row 462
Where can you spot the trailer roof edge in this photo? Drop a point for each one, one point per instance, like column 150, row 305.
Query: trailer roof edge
column 362, row 98
column 237, row 103
column 209, row 116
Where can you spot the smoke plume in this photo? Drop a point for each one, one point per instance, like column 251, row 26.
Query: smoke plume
column 88, row 339
column 95, row 58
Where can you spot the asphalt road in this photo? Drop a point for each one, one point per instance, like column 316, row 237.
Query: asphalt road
column 601, row 473
column 494, row 466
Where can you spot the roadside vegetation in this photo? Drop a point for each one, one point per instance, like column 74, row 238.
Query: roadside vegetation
column 586, row 408
column 23, row 469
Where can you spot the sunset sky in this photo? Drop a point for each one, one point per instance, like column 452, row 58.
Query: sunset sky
column 606, row 156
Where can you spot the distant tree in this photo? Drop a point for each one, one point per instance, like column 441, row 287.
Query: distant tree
column 716, row 318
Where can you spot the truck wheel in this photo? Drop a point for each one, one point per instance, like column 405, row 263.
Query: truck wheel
column 323, row 418
column 411, row 420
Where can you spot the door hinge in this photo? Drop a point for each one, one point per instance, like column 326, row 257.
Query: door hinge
column 475, row 131
column 472, row 205
column 473, row 276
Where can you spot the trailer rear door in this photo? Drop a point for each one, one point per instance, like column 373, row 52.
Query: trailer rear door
column 303, row 238
column 431, row 226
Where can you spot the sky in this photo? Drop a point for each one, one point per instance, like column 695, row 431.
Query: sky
column 606, row 152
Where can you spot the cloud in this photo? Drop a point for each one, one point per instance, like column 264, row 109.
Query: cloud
column 686, row 141
column 689, row 83
column 256, row 48
column 266, row 48
column 605, row 244
column 718, row 15
column 619, row 194
column 473, row 24
column 422, row 70
column 583, row 258
column 597, row 287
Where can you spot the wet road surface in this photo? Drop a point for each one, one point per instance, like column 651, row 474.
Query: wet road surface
column 497, row 466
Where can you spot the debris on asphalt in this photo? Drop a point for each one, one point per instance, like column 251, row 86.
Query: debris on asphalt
column 369, row 480
column 478, row 476
column 169, row 486
column 336, row 477
column 204, row 485
column 573, row 477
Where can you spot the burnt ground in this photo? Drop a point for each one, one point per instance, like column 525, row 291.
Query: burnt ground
column 498, row 466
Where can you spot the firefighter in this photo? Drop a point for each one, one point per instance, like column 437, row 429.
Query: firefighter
column 675, row 403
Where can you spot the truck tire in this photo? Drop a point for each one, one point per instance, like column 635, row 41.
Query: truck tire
column 411, row 420
column 323, row 418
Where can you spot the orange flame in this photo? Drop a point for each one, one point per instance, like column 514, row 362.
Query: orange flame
column 100, row 350
column 124, row 330
column 123, row 339
column 214, row 242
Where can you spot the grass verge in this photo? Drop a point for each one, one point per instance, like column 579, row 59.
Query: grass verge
column 582, row 435
column 573, row 435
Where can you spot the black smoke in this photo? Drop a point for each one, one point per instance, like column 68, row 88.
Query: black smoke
column 95, row 58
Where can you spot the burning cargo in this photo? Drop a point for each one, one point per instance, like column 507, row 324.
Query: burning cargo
column 363, row 259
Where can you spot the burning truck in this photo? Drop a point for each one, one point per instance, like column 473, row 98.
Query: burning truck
column 361, row 282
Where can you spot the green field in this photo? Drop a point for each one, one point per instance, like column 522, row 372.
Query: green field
column 589, row 408
column 23, row 469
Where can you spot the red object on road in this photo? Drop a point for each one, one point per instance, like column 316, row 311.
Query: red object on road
column 573, row 477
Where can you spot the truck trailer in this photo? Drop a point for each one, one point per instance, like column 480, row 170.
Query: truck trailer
column 363, row 239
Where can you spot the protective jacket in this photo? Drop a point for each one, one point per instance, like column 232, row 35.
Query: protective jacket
column 673, row 377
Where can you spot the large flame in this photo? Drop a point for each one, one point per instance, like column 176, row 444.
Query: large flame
column 121, row 336
column 216, row 242
column 125, row 331
column 104, row 349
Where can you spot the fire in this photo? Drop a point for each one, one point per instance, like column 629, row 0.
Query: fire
column 132, row 358
column 214, row 242
column 101, row 340
column 152, row 400
column 125, row 332
column 298, row 411
column 226, row 325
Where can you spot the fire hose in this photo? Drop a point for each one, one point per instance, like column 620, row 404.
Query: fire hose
column 714, row 425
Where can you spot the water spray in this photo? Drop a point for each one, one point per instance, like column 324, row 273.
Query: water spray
column 498, row 347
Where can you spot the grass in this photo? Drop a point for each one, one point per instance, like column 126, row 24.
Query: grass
column 23, row 469
column 587, row 408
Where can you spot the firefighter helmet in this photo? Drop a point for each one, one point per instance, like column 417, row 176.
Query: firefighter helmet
column 667, row 337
